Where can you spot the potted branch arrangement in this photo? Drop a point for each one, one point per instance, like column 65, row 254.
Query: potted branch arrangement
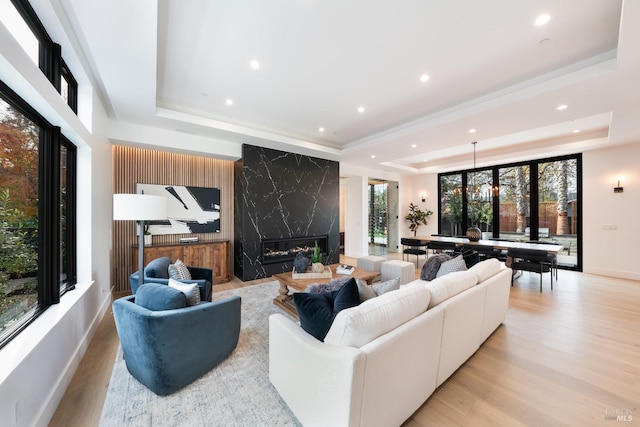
column 417, row 217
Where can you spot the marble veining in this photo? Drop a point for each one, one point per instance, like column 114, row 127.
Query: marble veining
column 282, row 195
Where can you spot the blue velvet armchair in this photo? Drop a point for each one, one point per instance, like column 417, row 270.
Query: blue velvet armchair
column 168, row 349
column 157, row 271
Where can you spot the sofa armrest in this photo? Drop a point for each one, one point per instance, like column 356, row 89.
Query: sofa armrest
column 322, row 384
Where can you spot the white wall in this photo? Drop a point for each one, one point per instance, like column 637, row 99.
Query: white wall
column 611, row 252
column 355, row 225
column 37, row 366
column 355, row 184
column 427, row 185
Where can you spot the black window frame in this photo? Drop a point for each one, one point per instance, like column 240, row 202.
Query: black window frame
column 534, row 201
column 49, row 286
column 50, row 59
column 70, row 265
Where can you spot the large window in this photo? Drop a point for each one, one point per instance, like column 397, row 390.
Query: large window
column 37, row 214
column 37, row 185
column 22, row 22
column 530, row 201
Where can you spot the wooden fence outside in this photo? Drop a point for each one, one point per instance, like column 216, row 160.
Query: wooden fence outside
column 547, row 214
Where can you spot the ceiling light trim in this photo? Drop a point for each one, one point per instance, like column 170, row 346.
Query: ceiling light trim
column 582, row 70
column 242, row 130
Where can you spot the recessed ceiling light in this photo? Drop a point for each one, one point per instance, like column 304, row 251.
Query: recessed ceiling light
column 360, row 109
column 373, row 156
column 424, row 78
column 576, row 130
column 414, row 145
column 229, row 101
column 320, row 129
column 472, row 130
column 562, row 107
column 542, row 19
column 255, row 64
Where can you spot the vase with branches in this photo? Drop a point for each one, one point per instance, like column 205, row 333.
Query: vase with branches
column 417, row 217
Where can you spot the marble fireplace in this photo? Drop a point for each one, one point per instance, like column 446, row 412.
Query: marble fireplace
column 281, row 196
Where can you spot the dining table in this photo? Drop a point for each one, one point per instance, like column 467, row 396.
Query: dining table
column 495, row 244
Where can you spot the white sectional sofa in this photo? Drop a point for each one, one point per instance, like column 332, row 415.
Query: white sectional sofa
column 382, row 359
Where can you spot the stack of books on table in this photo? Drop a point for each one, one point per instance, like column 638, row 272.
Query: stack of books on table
column 345, row 269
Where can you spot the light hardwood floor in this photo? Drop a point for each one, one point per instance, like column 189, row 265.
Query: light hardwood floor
column 567, row 357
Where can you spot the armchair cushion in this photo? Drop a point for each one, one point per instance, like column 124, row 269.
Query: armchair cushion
column 155, row 297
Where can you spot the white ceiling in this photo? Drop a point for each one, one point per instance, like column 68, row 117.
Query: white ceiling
column 172, row 64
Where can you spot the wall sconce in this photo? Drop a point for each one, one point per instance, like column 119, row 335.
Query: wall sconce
column 423, row 197
column 618, row 189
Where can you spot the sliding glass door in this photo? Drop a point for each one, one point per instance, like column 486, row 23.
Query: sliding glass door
column 536, row 201
column 451, row 205
column 515, row 202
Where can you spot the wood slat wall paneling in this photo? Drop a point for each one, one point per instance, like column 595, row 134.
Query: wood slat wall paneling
column 135, row 165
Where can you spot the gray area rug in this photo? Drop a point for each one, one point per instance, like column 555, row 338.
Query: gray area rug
column 235, row 393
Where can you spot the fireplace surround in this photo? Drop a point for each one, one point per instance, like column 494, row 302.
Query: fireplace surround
column 281, row 195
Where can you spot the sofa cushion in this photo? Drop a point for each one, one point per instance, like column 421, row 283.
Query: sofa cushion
column 388, row 285
column 357, row 326
column 190, row 290
column 431, row 267
column 486, row 269
column 179, row 271
column 156, row 297
column 451, row 266
column 318, row 310
column 444, row 287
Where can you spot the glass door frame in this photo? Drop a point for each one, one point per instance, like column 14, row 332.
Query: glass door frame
column 533, row 200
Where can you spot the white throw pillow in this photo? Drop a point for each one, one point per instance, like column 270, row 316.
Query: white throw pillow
column 190, row 290
column 359, row 325
column 444, row 287
column 179, row 271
